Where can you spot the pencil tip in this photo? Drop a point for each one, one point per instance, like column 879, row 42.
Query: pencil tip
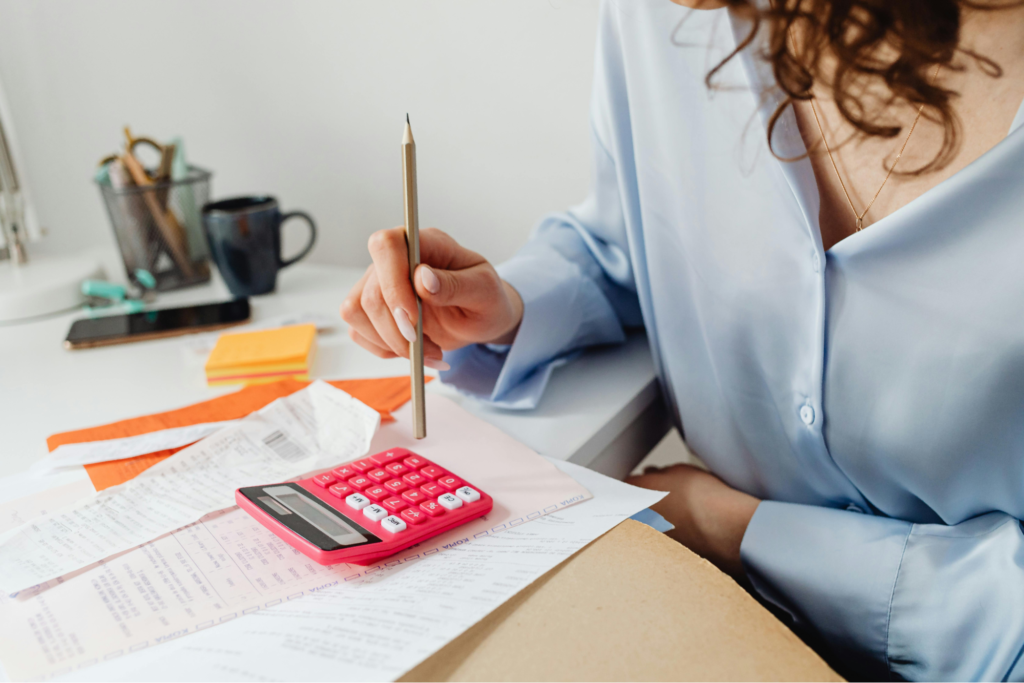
column 407, row 118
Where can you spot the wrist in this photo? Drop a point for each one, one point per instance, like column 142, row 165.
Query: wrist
column 515, row 306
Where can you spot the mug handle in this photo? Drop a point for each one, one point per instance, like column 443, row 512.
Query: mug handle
column 312, row 237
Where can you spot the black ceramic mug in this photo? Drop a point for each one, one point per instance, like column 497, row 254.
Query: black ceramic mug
column 245, row 241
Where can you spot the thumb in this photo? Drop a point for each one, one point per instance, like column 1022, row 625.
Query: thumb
column 473, row 288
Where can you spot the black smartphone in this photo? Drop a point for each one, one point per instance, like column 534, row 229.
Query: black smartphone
column 167, row 322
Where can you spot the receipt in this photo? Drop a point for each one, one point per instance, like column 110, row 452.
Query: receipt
column 73, row 454
column 276, row 443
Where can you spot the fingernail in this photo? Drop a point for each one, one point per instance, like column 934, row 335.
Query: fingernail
column 430, row 281
column 436, row 364
column 405, row 325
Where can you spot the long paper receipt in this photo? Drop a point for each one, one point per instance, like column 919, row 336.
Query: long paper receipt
column 310, row 429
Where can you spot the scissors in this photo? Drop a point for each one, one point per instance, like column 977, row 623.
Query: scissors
column 162, row 172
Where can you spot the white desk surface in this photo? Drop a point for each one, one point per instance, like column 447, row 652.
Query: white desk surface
column 590, row 415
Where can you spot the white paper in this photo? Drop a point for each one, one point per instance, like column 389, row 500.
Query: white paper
column 74, row 454
column 380, row 626
column 276, row 443
column 227, row 564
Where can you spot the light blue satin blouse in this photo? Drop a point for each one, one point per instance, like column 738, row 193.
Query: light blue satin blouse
column 872, row 395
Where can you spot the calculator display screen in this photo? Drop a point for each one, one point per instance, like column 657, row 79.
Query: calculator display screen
column 324, row 521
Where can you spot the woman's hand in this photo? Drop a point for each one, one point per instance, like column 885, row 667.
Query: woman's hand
column 709, row 515
column 464, row 300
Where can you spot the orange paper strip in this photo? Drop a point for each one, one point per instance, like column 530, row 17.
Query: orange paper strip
column 383, row 395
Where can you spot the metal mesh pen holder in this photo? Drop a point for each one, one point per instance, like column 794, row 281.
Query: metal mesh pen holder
column 159, row 228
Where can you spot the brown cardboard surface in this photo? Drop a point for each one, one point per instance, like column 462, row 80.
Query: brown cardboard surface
column 633, row 605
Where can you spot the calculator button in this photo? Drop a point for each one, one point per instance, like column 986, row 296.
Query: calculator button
column 325, row 479
column 415, row 479
column 449, row 482
column 341, row 490
column 378, row 476
column 345, row 472
column 432, row 508
column 432, row 489
column 394, row 504
column 467, row 494
column 396, row 485
column 415, row 462
column 449, row 501
column 414, row 496
column 364, row 465
column 396, row 469
column 392, row 524
column 413, row 516
column 357, row 501
column 375, row 512
column 389, row 456
column 432, row 472
column 359, row 483
column 377, row 493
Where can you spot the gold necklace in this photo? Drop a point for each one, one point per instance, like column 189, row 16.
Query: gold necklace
column 860, row 217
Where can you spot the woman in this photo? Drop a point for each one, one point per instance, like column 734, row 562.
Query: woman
column 842, row 344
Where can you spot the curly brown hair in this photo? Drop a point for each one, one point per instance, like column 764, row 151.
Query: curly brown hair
column 899, row 42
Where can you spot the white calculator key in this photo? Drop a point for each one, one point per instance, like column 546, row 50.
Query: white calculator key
column 375, row 512
column 392, row 524
column 467, row 494
column 449, row 501
column 357, row 501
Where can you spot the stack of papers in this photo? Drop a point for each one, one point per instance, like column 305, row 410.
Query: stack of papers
column 206, row 585
column 262, row 356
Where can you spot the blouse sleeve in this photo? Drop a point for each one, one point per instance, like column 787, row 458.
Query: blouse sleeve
column 913, row 601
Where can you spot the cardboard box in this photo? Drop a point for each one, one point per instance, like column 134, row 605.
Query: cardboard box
column 633, row 605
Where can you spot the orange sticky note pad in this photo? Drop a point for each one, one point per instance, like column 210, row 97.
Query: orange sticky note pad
column 262, row 356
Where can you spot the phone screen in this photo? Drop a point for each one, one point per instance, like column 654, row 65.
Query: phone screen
column 94, row 331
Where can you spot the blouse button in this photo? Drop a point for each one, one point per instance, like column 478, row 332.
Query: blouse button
column 807, row 415
column 817, row 262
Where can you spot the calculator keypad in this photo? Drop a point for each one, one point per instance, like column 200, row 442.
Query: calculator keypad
column 401, row 496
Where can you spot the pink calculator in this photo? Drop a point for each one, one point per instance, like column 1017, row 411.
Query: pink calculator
column 367, row 509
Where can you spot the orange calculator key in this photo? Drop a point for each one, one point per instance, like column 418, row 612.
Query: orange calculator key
column 364, row 465
column 394, row 504
column 396, row 485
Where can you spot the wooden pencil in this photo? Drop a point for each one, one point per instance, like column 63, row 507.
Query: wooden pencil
column 412, row 238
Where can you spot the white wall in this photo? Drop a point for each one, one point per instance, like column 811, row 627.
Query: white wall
column 306, row 100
